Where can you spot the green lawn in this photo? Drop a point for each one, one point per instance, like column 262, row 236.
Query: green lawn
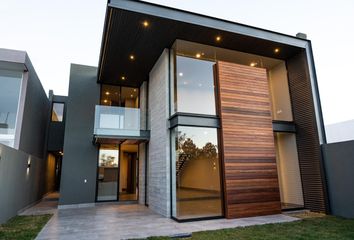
column 23, row 227
column 325, row 227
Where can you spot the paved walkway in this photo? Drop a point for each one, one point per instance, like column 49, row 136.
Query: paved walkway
column 113, row 221
column 49, row 204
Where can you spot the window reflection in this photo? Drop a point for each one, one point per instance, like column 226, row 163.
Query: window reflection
column 57, row 112
column 196, row 182
column 10, row 82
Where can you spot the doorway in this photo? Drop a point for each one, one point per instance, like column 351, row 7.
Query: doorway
column 117, row 173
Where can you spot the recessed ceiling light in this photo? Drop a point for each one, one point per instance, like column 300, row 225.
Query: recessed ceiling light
column 132, row 57
column 145, row 23
column 123, row 78
column 105, row 101
column 218, row 38
column 107, row 93
column 198, row 55
column 276, row 50
column 134, row 90
column 131, row 96
column 253, row 64
column 181, row 74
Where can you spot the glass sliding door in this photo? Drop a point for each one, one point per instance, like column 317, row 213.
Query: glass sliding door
column 196, row 182
column 107, row 177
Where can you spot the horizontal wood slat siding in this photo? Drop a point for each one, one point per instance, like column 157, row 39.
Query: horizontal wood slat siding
column 307, row 138
column 250, row 170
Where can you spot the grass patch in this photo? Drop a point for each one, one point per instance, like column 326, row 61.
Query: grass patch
column 23, row 227
column 325, row 227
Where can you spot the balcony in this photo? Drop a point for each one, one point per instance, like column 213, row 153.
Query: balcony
column 118, row 124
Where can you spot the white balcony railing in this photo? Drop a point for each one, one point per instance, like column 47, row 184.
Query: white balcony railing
column 117, row 121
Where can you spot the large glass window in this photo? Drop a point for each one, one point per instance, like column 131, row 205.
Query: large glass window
column 280, row 96
column 118, row 96
column 288, row 171
column 57, row 112
column 194, row 86
column 196, row 183
column 10, row 83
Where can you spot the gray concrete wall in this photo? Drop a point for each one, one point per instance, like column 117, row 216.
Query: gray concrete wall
column 20, row 186
column 56, row 130
column 339, row 166
column 78, row 179
column 159, row 148
column 35, row 116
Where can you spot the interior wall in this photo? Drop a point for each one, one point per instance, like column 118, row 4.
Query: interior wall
column 123, row 173
column 199, row 174
column 279, row 89
column 288, row 169
column 50, row 173
column 123, row 180
column 141, row 176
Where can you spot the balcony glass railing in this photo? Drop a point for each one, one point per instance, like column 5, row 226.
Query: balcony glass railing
column 117, row 121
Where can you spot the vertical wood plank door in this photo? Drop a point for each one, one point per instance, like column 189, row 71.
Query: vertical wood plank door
column 250, row 170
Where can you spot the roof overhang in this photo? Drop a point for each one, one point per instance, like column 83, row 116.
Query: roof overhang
column 124, row 35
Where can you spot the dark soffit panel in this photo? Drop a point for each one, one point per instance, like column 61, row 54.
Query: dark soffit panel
column 125, row 35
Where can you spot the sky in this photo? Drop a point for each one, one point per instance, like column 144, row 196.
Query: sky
column 57, row 33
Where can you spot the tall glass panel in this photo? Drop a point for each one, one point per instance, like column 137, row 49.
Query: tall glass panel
column 196, row 180
column 108, row 173
column 194, row 86
column 290, row 185
column 10, row 82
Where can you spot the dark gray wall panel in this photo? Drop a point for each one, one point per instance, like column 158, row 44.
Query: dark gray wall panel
column 35, row 116
column 80, row 155
column 19, row 186
column 56, row 136
column 56, row 129
column 339, row 165
column 309, row 150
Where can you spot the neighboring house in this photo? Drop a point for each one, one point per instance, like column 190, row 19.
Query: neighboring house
column 340, row 132
column 27, row 169
column 195, row 117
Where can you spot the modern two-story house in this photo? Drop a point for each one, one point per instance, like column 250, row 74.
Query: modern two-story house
column 195, row 117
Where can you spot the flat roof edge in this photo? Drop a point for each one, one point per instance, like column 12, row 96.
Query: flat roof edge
column 206, row 21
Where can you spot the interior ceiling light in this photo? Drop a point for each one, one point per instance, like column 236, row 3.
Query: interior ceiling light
column 105, row 101
column 131, row 96
column 198, row 55
column 145, row 23
column 107, row 93
column 181, row 74
column 123, row 78
column 253, row 64
column 276, row 50
column 134, row 90
column 218, row 38
column 132, row 57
